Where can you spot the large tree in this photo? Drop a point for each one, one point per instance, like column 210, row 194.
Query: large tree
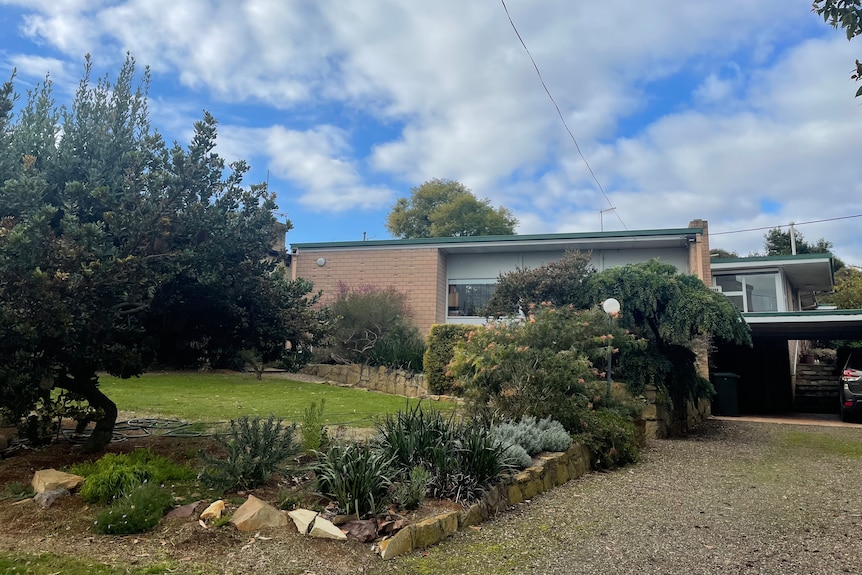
column 673, row 312
column 777, row 242
column 845, row 14
column 445, row 208
column 111, row 240
column 848, row 289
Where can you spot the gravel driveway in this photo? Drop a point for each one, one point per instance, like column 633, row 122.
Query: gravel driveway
column 736, row 497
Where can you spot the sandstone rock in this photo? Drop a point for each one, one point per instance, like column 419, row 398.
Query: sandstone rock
column 448, row 522
column 4, row 442
column 255, row 514
column 427, row 533
column 324, row 529
column 46, row 499
column 303, row 519
column 51, row 479
column 184, row 511
column 364, row 531
column 398, row 544
column 213, row 511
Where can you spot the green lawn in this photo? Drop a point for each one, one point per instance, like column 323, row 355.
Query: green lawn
column 212, row 397
column 48, row 564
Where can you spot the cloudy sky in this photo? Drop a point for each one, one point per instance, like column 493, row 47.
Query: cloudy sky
column 734, row 111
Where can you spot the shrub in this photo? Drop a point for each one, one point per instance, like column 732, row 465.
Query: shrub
column 313, row 431
column 41, row 425
column 463, row 457
column 412, row 437
column 438, row 354
column 256, row 448
column 137, row 512
column 478, row 460
column 409, row 493
column 533, row 435
column 115, row 475
column 356, row 476
column 537, row 366
column 401, row 348
column 516, row 456
column 522, row 434
column 373, row 326
column 610, row 436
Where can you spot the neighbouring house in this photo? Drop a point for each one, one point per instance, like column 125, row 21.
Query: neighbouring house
column 448, row 280
column 778, row 298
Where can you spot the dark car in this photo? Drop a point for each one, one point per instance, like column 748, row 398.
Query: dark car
column 850, row 387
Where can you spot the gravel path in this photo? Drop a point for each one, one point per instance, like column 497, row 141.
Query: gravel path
column 737, row 497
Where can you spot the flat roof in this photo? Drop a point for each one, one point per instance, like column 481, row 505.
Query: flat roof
column 815, row 324
column 675, row 237
column 806, row 272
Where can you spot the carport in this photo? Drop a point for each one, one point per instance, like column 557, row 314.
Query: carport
column 768, row 369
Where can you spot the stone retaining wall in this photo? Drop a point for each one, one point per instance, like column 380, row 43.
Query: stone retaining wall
column 550, row 470
column 659, row 422
column 659, row 415
column 392, row 381
column 816, row 388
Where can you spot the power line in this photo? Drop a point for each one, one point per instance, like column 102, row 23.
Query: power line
column 560, row 113
column 786, row 225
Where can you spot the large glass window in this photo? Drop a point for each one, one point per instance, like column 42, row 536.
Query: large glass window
column 750, row 292
column 469, row 299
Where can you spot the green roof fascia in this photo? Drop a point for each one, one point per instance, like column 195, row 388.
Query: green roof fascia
column 786, row 258
column 505, row 238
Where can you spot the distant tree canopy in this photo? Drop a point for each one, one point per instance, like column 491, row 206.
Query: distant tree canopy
column 846, row 14
column 777, row 242
column 117, row 249
column 672, row 311
column 445, row 208
column 721, row 253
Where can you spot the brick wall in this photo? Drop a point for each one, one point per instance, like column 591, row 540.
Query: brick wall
column 419, row 273
column 699, row 265
column 698, row 253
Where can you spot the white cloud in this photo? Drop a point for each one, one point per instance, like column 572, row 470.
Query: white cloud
column 454, row 94
column 317, row 162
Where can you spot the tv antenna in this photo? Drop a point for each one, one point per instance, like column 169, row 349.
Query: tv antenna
column 602, row 217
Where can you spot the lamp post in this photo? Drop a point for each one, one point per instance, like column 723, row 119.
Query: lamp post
column 612, row 308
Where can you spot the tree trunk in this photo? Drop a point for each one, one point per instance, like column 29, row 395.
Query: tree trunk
column 89, row 389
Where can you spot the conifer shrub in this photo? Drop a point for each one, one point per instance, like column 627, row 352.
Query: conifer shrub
column 115, row 475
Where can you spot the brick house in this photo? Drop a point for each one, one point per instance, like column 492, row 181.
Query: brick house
column 446, row 280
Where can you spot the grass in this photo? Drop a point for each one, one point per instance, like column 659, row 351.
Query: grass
column 219, row 397
column 49, row 564
column 823, row 443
